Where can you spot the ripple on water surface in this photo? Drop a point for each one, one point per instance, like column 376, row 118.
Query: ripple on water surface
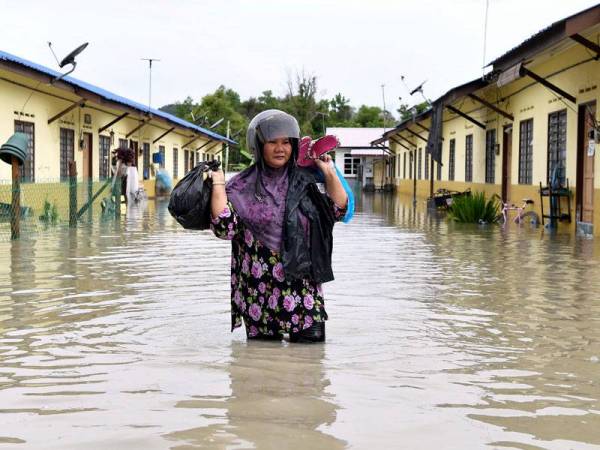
column 116, row 335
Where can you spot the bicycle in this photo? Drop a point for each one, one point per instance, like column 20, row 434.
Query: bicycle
column 528, row 217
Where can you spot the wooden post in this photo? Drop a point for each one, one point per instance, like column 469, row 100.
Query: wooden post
column 72, row 194
column 15, row 217
column 431, row 177
column 90, row 194
column 117, row 196
column 415, row 178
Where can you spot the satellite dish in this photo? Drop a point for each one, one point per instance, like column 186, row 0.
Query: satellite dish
column 419, row 88
column 70, row 58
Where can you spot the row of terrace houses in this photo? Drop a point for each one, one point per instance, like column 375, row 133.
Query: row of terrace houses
column 531, row 121
column 71, row 120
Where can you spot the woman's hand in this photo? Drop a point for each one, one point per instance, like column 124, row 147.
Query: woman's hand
column 218, row 196
column 324, row 163
column 333, row 185
column 217, row 176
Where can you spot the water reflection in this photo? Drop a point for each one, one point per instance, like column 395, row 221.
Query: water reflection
column 441, row 335
column 541, row 351
column 277, row 399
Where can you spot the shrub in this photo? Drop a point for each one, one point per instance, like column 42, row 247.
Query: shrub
column 475, row 208
column 50, row 213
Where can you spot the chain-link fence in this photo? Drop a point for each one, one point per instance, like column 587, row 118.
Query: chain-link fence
column 27, row 208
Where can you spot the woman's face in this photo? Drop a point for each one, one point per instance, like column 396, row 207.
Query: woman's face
column 277, row 152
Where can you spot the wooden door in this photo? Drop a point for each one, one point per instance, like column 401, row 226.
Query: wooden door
column 87, row 155
column 586, row 205
column 506, row 161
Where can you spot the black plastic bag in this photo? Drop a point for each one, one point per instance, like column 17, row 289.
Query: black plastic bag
column 190, row 198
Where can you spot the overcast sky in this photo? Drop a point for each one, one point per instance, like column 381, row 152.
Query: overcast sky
column 352, row 46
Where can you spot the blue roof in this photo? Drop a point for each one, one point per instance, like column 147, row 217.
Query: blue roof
column 112, row 97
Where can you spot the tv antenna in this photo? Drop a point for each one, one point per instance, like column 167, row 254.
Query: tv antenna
column 323, row 115
column 404, row 83
column 384, row 111
column 69, row 59
column 150, row 61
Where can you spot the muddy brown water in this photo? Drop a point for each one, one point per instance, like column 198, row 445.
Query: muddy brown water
column 116, row 335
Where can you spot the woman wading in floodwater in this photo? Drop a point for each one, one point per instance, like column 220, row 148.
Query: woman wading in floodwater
column 280, row 226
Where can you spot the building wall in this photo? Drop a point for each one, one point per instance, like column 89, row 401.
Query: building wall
column 525, row 99
column 339, row 161
column 378, row 175
column 18, row 103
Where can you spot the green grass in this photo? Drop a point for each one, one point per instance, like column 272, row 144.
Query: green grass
column 475, row 208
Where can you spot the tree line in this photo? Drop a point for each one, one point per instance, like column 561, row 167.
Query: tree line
column 300, row 100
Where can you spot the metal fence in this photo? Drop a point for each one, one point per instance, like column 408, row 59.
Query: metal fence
column 27, row 208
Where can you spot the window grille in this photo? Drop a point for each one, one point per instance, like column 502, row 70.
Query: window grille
column 451, row 159
column 27, row 170
column 490, row 156
column 526, row 152
column 469, row 158
column 67, row 151
column 557, row 146
column 104, row 157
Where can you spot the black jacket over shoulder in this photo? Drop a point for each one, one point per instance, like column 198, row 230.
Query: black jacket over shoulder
column 301, row 258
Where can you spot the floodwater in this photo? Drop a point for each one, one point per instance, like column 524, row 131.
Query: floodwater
column 441, row 336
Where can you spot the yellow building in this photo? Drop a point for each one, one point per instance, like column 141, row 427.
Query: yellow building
column 70, row 119
column 532, row 120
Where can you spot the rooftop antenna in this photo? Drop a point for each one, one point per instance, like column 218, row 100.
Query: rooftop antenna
column 383, row 96
column 404, row 83
column 150, row 61
column 323, row 115
column 69, row 59
column 52, row 50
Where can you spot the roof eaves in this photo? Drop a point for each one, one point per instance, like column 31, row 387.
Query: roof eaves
column 534, row 44
column 402, row 125
column 111, row 97
column 541, row 40
column 460, row 91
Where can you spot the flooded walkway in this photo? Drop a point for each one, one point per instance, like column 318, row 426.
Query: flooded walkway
column 441, row 337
